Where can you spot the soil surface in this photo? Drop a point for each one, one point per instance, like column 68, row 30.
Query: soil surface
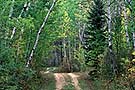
column 61, row 80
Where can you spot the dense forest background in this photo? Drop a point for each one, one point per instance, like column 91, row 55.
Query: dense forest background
column 67, row 36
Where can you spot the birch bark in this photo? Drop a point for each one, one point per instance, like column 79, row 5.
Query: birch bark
column 26, row 5
column 81, row 32
column 11, row 9
column 111, row 60
column 38, row 34
column 109, row 27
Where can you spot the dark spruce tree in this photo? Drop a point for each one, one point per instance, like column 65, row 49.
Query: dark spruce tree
column 94, row 37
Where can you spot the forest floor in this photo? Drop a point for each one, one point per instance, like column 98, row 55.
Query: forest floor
column 67, row 81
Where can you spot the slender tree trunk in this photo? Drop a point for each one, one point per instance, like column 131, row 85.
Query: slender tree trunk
column 70, row 56
column 64, row 48
column 61, row 52
column 126, row 26
column 25, row 8
column 109, row 27
column 11, row 9
column 111, row 59
column 125, row 21
column 56, row 57
column 38, row 34
column 81, row 32
column 13, row 32
column 69, row 46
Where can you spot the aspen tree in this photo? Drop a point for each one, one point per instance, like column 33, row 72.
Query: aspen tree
column 38, row 34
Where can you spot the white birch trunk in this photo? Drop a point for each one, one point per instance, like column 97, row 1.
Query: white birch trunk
column 26, row 5
column 13, row 32
column 126, row 26
column 81, row 32
column 111, row 57
column 109, row 27
column 64, row 47
column 38, row 34
column 11, row 9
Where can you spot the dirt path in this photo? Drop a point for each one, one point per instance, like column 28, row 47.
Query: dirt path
column 75, row 80
column 60, row 80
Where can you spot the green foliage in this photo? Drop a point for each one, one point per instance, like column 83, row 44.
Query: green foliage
column 83, row 85
column 65, row 23
column 69, row 86
column 78, row 64
column 109, row 85
column 94, row 36
column 13, row 75
column 13, row 52
column 49, row 82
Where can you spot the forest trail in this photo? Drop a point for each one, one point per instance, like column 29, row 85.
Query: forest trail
column 75, row 80
column 61, row 80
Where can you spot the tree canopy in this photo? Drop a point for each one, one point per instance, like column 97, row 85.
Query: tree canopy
column 92, row 36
